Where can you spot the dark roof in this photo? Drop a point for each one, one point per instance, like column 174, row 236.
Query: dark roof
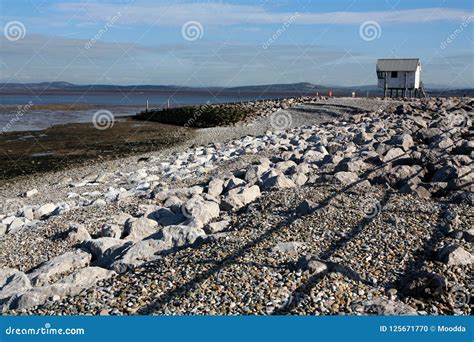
column 399, row 64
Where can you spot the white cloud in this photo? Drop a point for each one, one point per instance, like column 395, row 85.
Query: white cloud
column 230, row 14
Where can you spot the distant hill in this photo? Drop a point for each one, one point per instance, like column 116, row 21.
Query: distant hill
column 289, row 89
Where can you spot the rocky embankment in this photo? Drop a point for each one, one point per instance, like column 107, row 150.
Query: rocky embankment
column 366, row 212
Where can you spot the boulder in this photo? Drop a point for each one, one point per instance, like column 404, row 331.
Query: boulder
column 42, row 294
column 455, row 255
column 97, row 247
column 254, row 173
column 278, row 182
column 77, row 233
column 179, row 235
column 468, row 235
column 233, row 183
column 167, row 217
column 401, row 174
column 138, row 229
column 299, row 179
column 362, row 138
column 61, row 264
column 12, row 282
column 46, row 211
column 17, row 225
column 240, row 197
column 86, row 277
column 352, row 165
column 174, row 203
column 201, row 210
column 442, row 142
column 30, row 193
column 286, row 166
column 346, row 178
column 137, row 254
column 405, row 141
column 215, row 187
column 216, row 227
column 393, row 154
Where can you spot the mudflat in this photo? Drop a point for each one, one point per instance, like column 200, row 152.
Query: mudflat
column 71, row 145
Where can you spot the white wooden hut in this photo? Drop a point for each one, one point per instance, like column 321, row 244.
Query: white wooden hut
column 400, row 75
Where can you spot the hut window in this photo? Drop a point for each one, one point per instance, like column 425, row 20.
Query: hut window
column 394, row 74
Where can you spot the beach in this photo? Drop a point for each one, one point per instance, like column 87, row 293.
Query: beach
column 315, row 206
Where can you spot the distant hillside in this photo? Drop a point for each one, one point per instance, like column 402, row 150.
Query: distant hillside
column 290, row 89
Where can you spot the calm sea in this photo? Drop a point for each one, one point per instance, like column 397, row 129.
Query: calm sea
column 17, row 115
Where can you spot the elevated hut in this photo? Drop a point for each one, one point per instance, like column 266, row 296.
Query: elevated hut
column 400, row 77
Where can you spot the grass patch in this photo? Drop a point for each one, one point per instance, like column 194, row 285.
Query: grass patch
column 198, row 116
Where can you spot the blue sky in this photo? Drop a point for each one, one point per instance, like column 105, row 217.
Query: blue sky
column 236, row 42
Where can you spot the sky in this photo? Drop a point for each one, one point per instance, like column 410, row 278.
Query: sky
column 233, row 43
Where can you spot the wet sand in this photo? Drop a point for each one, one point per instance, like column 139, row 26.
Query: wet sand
column 72, row 145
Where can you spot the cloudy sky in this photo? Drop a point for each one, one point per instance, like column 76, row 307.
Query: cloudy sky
column 231, row 43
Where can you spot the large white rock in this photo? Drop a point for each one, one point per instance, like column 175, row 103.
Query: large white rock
column 254, row 173
column 31, row 193
column 40, row 295
column 278, row 182
column 346, row 178
column 63, row 263
column 12, row 282
column 141, row 252
column 77, row 233
column 167, row 217
column 240, row 197
column 3, row 229
column 138, row 229
column 199, row 209
column 393, row 154
column 179, row 235
column 285, row 166
column 215, row 187
column 17, row 225
column 97, row 247
column 86, row 277
column 46, row 211
column 216, row 227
